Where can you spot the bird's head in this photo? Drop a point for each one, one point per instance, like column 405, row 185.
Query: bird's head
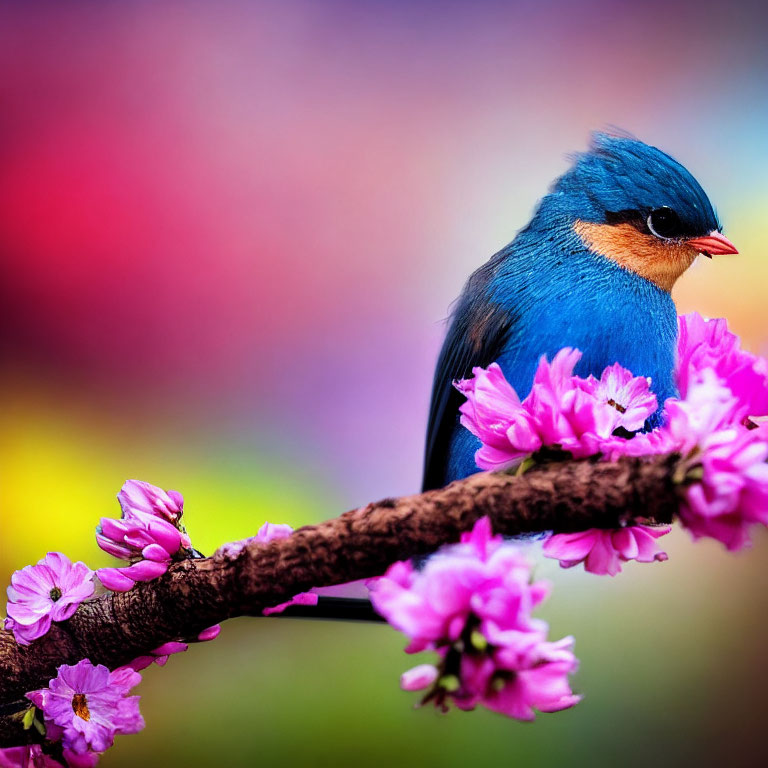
column 634, row 204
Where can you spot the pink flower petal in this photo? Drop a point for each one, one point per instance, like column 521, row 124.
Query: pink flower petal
column 145, row 570
column 303, row 598
column 209, row 634
column 419, row 677
column 115, row 580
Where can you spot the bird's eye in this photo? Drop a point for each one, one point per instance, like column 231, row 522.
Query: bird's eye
column 665, row 223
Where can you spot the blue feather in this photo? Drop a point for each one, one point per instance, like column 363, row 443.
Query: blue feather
column 547, row 290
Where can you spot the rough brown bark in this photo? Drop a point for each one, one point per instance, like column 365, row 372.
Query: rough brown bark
column 113, row 629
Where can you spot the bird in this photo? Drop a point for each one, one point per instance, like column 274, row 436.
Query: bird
column 592, row 270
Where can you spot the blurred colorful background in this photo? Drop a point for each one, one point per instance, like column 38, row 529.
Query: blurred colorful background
column 229, row 235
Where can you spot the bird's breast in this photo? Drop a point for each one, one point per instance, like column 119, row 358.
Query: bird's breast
column 607, row 312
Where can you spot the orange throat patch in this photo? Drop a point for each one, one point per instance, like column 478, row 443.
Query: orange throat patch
column 656, row 260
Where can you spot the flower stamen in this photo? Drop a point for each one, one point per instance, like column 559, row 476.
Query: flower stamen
column 618, row 406
column 80, row 706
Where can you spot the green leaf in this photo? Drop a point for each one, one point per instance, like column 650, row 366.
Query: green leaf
column 29, row 718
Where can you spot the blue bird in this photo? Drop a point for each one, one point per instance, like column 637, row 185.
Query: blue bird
column 593, row 269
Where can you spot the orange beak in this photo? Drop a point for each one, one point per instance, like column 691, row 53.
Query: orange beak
column 713, row 244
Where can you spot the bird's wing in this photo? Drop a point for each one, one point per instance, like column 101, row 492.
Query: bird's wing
column 476, row 337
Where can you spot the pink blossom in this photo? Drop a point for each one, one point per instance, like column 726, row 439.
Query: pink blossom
column 481, row 576
column 537, row 679
column 523, row 672
column 90, row 704
column 603, row 551
column 75, row 760
column 139, row 496
column 732, row 494
column 46, row 592
column 629, row 396
column 708, row 345
column 472, row 604
column 491, row 410
column 580, row 415
column 33, row 756
column 726, row 489
column 562, row 410
column 148, row 535
column 27, row 757
column 24, row 757
column 709, row 406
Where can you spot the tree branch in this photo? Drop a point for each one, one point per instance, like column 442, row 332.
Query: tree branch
column 115, row 628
